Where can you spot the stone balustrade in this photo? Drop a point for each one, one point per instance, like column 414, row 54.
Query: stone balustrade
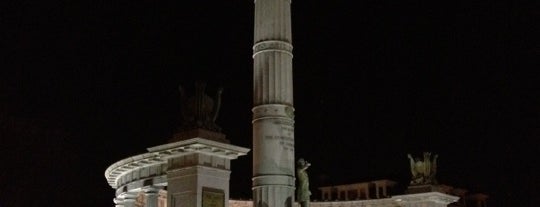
column 357, row 191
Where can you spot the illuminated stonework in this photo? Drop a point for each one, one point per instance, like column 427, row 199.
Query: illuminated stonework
column 141, row 180
column 432, row 199
column 357, row 191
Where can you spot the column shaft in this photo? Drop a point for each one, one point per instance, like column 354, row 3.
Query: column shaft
column 273, row 111
column 151, row 199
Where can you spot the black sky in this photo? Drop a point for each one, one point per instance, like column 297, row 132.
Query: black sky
column 85, row 84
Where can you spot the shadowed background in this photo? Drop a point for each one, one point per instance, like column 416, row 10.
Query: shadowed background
column 85, row 84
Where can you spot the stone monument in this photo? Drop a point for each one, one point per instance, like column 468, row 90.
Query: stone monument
column 273, row 112
column 423, row 171
column 193, row 169
column 424, row 189
column 200, row 111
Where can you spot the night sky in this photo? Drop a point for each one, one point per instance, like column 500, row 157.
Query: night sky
column 86, row 84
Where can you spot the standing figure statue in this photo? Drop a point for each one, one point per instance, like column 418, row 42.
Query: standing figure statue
column 302, row 191
column 423, row 170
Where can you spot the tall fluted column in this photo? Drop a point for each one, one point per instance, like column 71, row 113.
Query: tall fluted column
column 273, row 111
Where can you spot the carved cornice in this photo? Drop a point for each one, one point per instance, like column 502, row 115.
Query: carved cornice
column 158, row 156
column 199, row 145
column 273, row 111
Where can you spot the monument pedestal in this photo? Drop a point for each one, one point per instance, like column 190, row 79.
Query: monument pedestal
column 430, row 199
column 198, row 170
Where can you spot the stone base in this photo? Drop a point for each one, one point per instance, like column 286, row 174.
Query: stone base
column 430, row 199
column 412, row 189
column 200, row 133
